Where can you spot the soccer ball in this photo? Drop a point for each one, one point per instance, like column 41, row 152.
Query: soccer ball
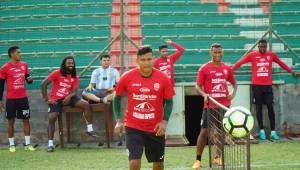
column 238, row 122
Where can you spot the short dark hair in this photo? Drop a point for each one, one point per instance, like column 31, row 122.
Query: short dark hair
column 12, row 50
column 162, row 46
column 263, row 41
column 104, row 56
column 144, row 50
column 215, row 45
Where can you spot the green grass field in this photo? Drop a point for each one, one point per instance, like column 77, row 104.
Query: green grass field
column 274, row 156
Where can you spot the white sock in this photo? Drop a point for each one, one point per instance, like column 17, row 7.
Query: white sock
column 27, row 140
column 11, row 141
column 105, row 99
column 50, row 143
column 90, row 128
column 262, row 130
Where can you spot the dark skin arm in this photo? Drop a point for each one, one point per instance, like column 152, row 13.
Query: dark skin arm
column 68, row 97
column 44, row 85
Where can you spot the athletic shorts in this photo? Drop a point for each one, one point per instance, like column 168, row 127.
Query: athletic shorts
column 137, row 140
column 262, row 94
column 59, row 104
column 17, row 108
column 215, row 116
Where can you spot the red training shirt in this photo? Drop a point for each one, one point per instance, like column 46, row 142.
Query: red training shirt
column 14, row 74
column 61, row 86
column 214, row 81
column 166, row 65
column 145, row 98
column 261, row 66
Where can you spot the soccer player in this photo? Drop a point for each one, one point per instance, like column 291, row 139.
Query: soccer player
column 149, row 107
column 261, row 61
column 15, row 73
column 104, row 78
column 64, row 89
column 212, row 81
column 166, row 63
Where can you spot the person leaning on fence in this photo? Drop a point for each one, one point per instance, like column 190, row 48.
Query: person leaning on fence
column 212, row 81
column 261, row 61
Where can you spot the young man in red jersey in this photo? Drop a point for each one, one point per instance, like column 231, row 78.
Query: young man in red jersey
column 15, row 73
column 149, row 107
column 261, row 61
column 212, row 81
column 165, row 63
column 64, row 92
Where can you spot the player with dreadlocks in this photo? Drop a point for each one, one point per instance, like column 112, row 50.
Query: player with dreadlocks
column 64, row 92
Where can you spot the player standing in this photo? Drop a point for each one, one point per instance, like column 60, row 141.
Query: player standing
column 15, row 73
column 149, row 107
column 212, row 81
column 261, row 61
column 165, row 63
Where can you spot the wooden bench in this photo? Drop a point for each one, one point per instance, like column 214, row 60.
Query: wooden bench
column 101, row 107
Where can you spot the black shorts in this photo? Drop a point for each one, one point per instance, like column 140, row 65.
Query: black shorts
column 262, row 94
column 215, row 117
column 137, row 140
column 59, row 104
column 17, row 108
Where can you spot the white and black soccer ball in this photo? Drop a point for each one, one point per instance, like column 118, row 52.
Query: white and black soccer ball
column 238, row 121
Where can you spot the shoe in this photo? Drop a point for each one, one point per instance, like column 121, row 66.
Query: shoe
column 93, row 134
column 100, row 144
column 262, row 135
column 12, row 148
column 50, row 149
column 217, row 161
column 29, row 148
column 274, row 135
column 197, row 165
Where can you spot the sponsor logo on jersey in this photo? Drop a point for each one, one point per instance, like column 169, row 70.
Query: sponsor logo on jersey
column 144, row 97
column 144, row 90
column 136, row 85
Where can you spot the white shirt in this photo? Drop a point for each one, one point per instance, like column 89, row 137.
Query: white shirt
column 105, row 78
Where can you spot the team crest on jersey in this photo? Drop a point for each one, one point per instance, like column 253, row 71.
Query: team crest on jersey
column 22, row 68
column 225, row 71
column 156, row 86
column 268, row 57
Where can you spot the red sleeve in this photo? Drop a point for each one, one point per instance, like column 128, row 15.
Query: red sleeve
column 277, row 60
column 155, row 64
column 76, row 83
column 231, row 77
column 200, row 76
column 3, row 73
column 174, row 57
column 52, row 76
column 242, row 61
column 27, row 69
column 121, row 87
column 169, row 89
